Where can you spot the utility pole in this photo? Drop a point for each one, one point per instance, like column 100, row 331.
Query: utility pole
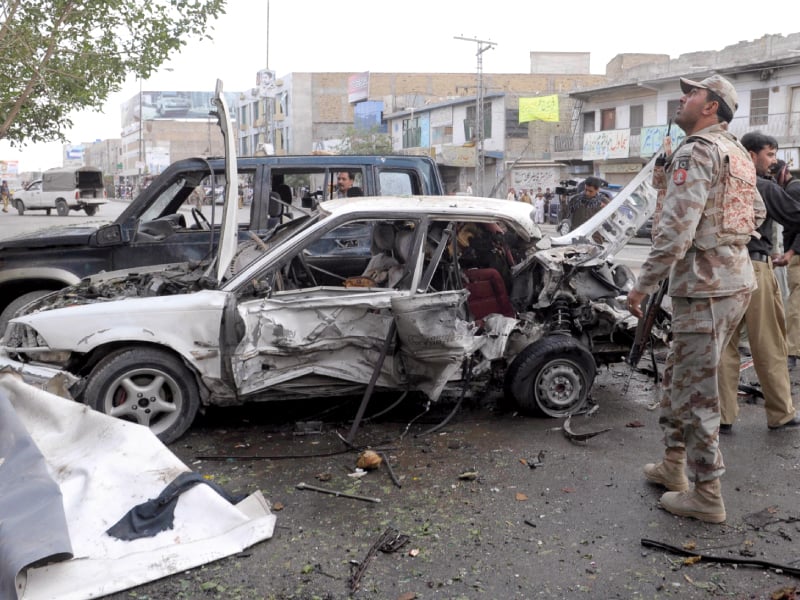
column 141, row 135
column 483, row 46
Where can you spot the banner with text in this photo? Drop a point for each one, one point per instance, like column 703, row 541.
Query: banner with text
column 541, row 108
column 602, row 145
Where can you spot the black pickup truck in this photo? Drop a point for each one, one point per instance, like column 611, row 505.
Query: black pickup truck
column 176, row 218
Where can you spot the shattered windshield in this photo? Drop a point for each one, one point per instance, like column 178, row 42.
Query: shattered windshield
column 164, row 199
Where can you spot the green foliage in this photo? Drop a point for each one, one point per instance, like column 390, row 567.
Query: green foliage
column 360, row 141
column 60, row 56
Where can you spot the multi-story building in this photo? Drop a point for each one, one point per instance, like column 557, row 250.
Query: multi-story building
column 621, row 124
column 161, row 127
column 313, row 112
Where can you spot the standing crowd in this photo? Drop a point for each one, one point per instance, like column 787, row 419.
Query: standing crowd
column 546, row 206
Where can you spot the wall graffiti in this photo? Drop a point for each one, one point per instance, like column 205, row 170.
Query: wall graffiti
column 653, row 137
column 534, row 177
column 602, row 145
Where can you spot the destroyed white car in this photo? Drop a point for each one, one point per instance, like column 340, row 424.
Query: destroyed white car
column 454, row 291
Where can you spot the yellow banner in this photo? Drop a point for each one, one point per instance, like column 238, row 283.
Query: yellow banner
column 542, row 108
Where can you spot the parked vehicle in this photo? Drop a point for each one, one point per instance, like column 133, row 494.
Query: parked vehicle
column 454, row 292
column 65, row 189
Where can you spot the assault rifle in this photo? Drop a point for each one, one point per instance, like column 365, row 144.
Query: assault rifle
column 645, row 325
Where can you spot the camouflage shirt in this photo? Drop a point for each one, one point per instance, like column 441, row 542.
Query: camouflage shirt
column 695, row 181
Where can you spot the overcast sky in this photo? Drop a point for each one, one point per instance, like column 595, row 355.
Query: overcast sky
column 418, row 36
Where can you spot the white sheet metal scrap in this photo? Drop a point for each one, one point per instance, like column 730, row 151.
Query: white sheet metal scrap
column 100, row 467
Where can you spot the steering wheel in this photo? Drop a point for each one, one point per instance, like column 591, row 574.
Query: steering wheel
column 200, row 219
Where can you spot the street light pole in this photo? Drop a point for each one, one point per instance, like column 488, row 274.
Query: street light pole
column 483, row 46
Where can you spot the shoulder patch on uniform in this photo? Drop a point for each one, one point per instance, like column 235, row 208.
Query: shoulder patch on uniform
column 679, row 169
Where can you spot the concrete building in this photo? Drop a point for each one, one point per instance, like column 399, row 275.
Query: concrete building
column 621, row 124
column 312, row 112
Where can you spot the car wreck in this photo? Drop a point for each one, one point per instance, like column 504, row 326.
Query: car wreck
column 444, row 295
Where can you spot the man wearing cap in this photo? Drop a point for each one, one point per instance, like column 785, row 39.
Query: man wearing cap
column 710, row 210
column 765, row 319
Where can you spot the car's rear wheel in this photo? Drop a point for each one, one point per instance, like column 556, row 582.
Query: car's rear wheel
column 147, row 386
column 61, row 208
column 90, row 209
column 20, row 206
column 551, row 377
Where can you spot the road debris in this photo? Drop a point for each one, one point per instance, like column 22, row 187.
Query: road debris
column 390, row 470
column 579, row 437
column 369, row 460
column 728, row 560
column 534, row 463
column 314, row 488
column 390, row 538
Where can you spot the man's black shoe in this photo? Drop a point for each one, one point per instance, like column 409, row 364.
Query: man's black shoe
column 726, row 428
column 795, row 422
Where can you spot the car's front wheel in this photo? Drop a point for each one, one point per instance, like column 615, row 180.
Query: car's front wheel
column 551, row 377
column 20, row 205
column 147, row 386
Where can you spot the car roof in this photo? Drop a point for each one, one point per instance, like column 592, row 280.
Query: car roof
column 517, row 214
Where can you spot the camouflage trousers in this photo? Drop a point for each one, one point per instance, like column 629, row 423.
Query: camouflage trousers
column 701, row 328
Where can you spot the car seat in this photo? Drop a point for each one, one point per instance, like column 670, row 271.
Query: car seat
column 487, row 294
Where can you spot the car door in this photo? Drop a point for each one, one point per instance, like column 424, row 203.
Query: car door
column 305, row 339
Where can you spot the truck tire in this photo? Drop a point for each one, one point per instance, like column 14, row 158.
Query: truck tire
column 16, row 304
column 91, row 209
column 61, row 208
column 20, row 206
column 166, row 396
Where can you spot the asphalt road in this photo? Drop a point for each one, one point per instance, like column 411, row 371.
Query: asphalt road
column 493, row 505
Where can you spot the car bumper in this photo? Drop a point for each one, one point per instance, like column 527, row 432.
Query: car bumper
column 37, row 375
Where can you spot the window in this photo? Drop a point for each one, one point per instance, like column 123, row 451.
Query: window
column 759, row 106
column 588, row 122
column 396, row 183
column 442, row 135
column 470, row 132
column 636, row 119
column 672, row 108
column 515, row 129
column 412, row 133
column 608, row 119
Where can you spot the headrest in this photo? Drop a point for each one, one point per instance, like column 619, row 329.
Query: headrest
column 382, row 238
column 403, row 244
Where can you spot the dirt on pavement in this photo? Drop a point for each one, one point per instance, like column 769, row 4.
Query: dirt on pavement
column 492, row 505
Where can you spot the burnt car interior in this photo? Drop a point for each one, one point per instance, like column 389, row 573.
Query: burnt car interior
column 476, row 256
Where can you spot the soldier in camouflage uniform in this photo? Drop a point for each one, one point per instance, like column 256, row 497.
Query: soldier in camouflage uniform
column 700, row 242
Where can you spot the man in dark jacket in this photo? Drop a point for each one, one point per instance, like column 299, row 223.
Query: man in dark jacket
column 583, row 206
